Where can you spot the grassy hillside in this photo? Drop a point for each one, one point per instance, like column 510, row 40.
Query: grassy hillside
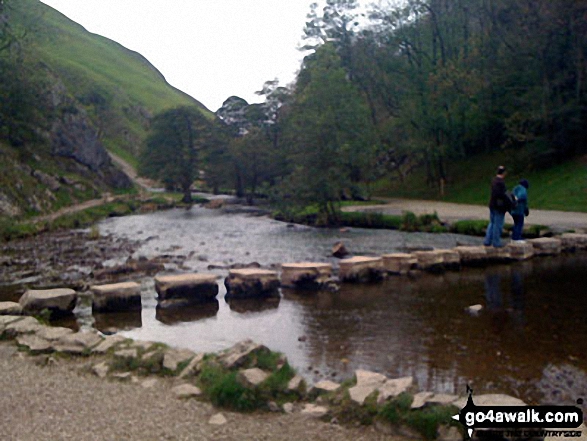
column 562, row 187
column 118, row 87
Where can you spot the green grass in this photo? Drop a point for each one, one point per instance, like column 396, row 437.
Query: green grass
column 562, row 187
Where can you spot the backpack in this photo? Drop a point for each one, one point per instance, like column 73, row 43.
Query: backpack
column 511, row 201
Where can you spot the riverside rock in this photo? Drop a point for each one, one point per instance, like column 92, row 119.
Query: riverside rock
column 109, row 342
column 116, row 297
column 392, row 388
column 53, row 333
column 399, row 263
column 28, row 325
column 326, row 386
column 367, row 383
column 58, row 301
column 240, row 353
column 250, row 282
column 339, row 250
column 77, row 343
column 182, row 289
column 252, row 377
column 305, row 275
column 361, row 269
column 451, row 259
column 174, row 357
column 34, row 343
column 186, row 391
column 10, row 308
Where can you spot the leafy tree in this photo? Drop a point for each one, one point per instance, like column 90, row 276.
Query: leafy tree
column 173, row 148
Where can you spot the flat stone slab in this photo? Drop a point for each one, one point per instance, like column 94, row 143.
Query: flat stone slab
column 174, row 357
column 399, row 263
column 57, row 301
column 186, row 391
column 314, row 411
column 367, row 383
column 251, row 282
column 77, row 343
column 490, row 400
column 116, row 297
column 361, row 269
column 451, row 259
column 430, row 260
column 28, row 325
column 471, row 255
column 193, row 288
column 546, row 246
column 238, row 354
column 520, row 250
column 8, row 319
column 502, row 254
column 574, row 241
column 392, row 388
column 10, row 308
column 34, row 343
column 305, row 275
column 420, row 399
column 252, row 377
column 326, row 386
column 109, row 342
column 52, row 333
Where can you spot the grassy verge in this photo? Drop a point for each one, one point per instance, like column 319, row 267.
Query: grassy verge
column 561, row 187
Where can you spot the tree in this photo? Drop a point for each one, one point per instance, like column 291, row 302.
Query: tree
column 172, row 149
column 329, row 134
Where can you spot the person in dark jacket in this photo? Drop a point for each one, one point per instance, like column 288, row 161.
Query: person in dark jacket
column 521, row 209
column 499, row 204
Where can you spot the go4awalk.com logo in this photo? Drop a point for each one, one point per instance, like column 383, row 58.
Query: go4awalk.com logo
column 521, row 420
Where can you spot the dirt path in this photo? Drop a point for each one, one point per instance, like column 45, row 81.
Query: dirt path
column 450, row 212
column 142, row 183
column 62, row 401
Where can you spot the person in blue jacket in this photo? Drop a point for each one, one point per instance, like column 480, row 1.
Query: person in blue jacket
column 521, row 210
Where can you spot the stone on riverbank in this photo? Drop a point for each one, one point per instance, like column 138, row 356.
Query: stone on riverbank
column 51, row 333
column 116, row 297
column 305, row 275
column 361, row 269
column 109, row 342
column 186, row 391
column 367, row 383
column 520, row 250
column 240, row 353
column 399, row 263
column 251, row 377
column 60, row 301
column 174, row 357
column 471, row 255
column 10, row 308
column 546, row 246
column 326, row 386
column 248, row 283
column 28, row 325
column 182, row 289
column 34, row 343
column 78, row 343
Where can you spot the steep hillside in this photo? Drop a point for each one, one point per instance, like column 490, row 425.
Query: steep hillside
column 91, row 95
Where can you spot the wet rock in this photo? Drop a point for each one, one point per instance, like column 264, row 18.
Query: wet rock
column 186, row 391
column 189, row 288
column 367, row 383
column 240, row 353
column 58, row 301
column 573, row 241
column 10, row 308
column 306, row 275
column 339, row 250
column 432, row 261
column 361, row 269
column 174, row 357
column 399, row 263
column 499, row 255
column 77, row 343
column 217, row 420
column 116, row 297
column 545, row 246
column 252, row 377
column 451, row 259
column 250, row 283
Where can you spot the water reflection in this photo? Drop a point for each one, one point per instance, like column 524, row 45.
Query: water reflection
column 187, row 313
column 112, row 322
column 244, row 306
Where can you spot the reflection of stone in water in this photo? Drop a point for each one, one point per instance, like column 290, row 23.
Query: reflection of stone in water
column 253, row 305
column 187, row 313
column 563, row 385
column 117, row 321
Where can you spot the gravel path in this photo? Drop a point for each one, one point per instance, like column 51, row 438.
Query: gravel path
column 447, row 211
column 62, row 401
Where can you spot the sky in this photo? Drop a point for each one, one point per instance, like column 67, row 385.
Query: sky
column 210, row 49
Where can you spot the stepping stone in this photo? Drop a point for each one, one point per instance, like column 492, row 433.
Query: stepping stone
column 399, row 263
column 573, row 241
column 546, row 246
column 361, row 269
column 520, row 250
column 34, row 343
column 116, row 297
column 432, row 261
column 182, row 289
column 60, row 301
column 251, row 282
column 305, row 275
column 472, row 255
column 451, row 258
column 502, row 254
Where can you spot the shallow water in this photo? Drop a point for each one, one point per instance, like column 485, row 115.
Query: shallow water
column 529, row 340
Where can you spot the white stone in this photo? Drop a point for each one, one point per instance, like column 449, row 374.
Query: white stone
column 475, row 309
column 315, row 411
column 110, row 341
column 288, row 407
column 150, row 383
column 217, row 420
column 77, row 343
column 186, row 391
column 392, row 388
column 252, row 377
column 10, row 308
column 53, row 333
column 295, row 383
column 367, row 383
column 173, row 357
column 420, row 399
column 101, row 369
column 326, row 386
column 193, row 368
column 34, row 343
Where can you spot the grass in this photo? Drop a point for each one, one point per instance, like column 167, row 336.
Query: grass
column 561, row 187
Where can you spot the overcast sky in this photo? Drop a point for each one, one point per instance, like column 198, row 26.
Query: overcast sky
column 210, row 49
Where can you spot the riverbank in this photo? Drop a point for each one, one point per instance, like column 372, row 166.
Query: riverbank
column 62, row 401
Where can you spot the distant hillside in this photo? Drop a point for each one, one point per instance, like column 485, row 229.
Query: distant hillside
column 91, row 94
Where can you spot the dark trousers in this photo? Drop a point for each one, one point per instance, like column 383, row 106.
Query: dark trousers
column 518, row 226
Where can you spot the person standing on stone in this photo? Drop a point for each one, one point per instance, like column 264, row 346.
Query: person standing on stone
column 499, row 204
column 521, row 210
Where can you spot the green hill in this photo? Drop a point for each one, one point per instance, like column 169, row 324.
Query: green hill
column 66, row 96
